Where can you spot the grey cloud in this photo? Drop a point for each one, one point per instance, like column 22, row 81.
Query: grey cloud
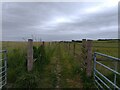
column 26, row 19
column 94, row 22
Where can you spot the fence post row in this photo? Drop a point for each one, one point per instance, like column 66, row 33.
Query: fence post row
column 30, row 55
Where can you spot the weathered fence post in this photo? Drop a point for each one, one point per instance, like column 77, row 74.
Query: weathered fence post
column 30, row 55
column 84, row 56
column 69, row 45
column 89, row 58
column 49, row 43
column 74, row 48
column 43, row 43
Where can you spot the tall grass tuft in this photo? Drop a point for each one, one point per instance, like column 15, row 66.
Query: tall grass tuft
column 27, row 80
column 40, row 56
column 16, row 64
column 88, row 82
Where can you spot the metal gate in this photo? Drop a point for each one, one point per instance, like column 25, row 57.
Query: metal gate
column 3, row 68
column 101, row 80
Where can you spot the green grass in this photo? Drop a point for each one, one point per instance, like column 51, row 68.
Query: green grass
column 109, row 48
column 17, row 65
column 106, row 47
column 70, row 69
column 44, row 69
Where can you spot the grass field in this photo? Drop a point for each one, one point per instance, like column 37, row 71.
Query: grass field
column 60, row 68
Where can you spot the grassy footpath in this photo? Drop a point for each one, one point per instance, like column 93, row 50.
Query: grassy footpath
column 70, row 76
column 47, row 78
column 75, row 60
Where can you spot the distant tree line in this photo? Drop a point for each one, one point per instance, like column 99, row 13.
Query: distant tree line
column 80, row 41
column 108, row 40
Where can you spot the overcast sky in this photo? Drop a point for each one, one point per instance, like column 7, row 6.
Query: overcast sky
column 59, row 21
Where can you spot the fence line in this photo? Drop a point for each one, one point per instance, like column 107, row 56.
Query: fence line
column 87, row 59
column 87, row 51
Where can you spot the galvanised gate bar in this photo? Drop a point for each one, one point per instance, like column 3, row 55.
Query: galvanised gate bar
column 99, row 79
column 3, row 68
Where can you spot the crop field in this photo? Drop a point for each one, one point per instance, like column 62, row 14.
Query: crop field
column 56, row 64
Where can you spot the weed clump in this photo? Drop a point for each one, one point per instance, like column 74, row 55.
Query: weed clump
column 88, row 82
column 26, row 80
column 40, row 56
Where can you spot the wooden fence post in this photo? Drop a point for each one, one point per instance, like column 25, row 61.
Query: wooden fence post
column 30, row 55
column 74, row 48
column 89, row 58
column 49, row 43
column 84, row 54
column 69, row 46
column 43, row 43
